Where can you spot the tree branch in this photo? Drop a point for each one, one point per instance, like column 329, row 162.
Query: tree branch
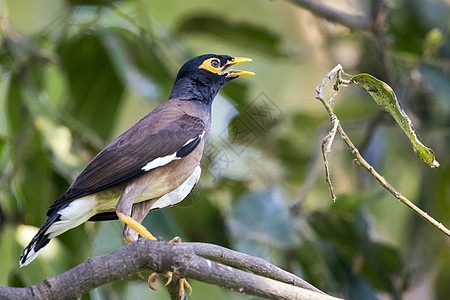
column 335, row 76
column 185, row 260
column 354, row 22
column 253, row 264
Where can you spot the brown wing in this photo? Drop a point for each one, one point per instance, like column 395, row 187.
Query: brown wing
column 155, row 136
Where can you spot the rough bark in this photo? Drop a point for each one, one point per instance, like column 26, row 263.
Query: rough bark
column 198, row 261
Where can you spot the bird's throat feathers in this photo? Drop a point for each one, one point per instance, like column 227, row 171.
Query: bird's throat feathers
column 192, row 88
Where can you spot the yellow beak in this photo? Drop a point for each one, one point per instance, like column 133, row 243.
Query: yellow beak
column 235, row 61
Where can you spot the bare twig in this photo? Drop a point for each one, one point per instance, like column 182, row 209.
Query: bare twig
column 335, row 76
column 354, row 22
column 184, row 260
column 326, row 148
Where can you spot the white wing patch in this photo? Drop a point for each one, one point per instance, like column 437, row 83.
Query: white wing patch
column 191, row 140
column 201, row 136
column 181, row 192
column 162, row 161
column 159, row 162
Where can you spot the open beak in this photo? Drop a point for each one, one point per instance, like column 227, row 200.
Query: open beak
column 235, row 73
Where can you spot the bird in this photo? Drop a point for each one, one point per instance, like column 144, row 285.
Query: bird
column 153, row 165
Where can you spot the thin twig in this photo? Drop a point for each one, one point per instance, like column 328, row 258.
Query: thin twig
column 335, row 74
column 361, row 161
column 354, row 22
column 326, row 148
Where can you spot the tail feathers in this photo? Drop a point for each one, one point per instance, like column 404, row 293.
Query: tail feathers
column 66, row 217
column 39, row 241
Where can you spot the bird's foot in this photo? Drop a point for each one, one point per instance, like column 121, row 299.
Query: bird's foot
column 184, row 284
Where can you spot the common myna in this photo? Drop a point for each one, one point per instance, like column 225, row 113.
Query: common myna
column 154, row 164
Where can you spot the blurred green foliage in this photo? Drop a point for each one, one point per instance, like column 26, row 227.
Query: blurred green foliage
column 75, row 74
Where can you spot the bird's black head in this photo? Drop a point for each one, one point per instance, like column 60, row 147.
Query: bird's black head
column 203, row 76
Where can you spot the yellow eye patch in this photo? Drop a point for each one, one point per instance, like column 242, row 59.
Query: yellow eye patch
column 212, row 65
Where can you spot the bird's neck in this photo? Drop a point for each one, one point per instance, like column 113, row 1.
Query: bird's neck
column 194, row 89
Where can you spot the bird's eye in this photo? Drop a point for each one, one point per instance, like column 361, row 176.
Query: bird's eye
column 215, row 63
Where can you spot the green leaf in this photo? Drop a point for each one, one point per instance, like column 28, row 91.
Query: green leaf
column 385, row 98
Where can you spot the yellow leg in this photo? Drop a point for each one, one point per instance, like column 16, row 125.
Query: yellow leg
column 135, row 225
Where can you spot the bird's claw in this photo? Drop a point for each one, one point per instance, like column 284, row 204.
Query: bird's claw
column 176, row 239
column 184, row 284
column 169, row 276
column 151, row 281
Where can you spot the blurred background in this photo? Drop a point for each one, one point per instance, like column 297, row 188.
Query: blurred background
column 75, row 74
